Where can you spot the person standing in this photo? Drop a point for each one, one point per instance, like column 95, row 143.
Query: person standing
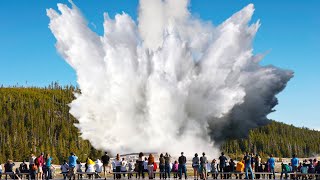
column 222, row 163
column 117, row 163
column 105, row 161
column 203, row 164
column 150, row 166
column 167, row 169
column 271, row 164
column 247, row 165
column 72, row 165
column 64, row 169
column 140, row 165
column 195, row 166
column 182, row 166
column 232, row 166
column 32, row 166
column 162, row 166
column 90, row 167
column 39, row 161
column 294, row 164
column 48, row 166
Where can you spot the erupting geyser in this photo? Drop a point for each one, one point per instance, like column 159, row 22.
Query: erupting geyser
column 171, row 83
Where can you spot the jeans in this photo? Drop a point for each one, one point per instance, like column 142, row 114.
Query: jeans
column 167, row 171
column 285, row 174
column 247, row 168
column 141, row 169
column 48, row 173
column 272, row 170
column 182, row 169
column 162, row 170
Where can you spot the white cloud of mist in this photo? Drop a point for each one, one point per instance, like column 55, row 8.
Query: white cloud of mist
column 171, row 83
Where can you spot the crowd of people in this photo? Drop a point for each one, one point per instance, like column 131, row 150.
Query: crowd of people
column 251, row 166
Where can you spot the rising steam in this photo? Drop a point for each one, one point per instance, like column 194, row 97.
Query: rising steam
column 169, row 83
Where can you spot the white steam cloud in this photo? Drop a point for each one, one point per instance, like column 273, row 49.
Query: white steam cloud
column 169, row 83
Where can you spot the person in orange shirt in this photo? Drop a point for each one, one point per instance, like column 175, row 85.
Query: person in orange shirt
column 239, row 169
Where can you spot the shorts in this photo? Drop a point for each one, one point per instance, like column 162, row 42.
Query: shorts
column 40, row 170
column 195, row 166
column 294, row 168
column 203, row 168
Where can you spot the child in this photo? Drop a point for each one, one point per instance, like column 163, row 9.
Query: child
column 64, row 169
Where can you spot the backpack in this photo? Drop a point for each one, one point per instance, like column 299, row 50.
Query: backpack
column 34, row 167
column 36, row 162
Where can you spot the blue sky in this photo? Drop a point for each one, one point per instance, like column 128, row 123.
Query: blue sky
column 290, row 31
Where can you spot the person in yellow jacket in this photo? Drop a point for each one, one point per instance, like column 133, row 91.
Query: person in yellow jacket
column 239, row 169
column 89, row 166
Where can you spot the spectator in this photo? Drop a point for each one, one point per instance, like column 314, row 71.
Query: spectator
column 131, row 167
column 8, row 167
column 257, row 166
column 64, row 169
column 124, row 166
column 162, row 166
column 304, row 169
column 195, row 166
column 240, row 169
column 232, row 166
column 182, row 166
column 214, row 169
column 105, row 160
column 117, row 163
column 150, row 166
column 203, row 164
column 23, row 168
column 175, row 168
column 32, row 166
column 285, row 169
column 155, row 167
column 167, row 168
column 39, row 161
column 48, row 161
column 208, row 166
column 294, row 163
column 72, row 165
column 145, row 165
column 98, row 168
column 136, row 168
column 141, row 165
column 248, row 167
column 79, row 168
column 90, row 167
column 271, row 164
column 222, row 163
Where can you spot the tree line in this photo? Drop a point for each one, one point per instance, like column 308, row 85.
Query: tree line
column 34, row 120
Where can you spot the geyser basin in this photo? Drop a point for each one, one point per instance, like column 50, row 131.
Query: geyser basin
column 170, row 83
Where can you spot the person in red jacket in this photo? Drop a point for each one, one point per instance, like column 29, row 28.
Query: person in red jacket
column 40, row 162
column 155, row 167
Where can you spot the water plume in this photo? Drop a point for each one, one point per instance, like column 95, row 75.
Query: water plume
column 170, row 82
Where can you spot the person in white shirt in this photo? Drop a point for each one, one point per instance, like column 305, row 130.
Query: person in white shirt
column 117, row 163
column 64, row 169
column 79, row 168
column 98, row 166
column 145, row 165
column 124, row 166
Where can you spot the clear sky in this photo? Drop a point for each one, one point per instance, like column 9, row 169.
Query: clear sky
column 290, row 32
